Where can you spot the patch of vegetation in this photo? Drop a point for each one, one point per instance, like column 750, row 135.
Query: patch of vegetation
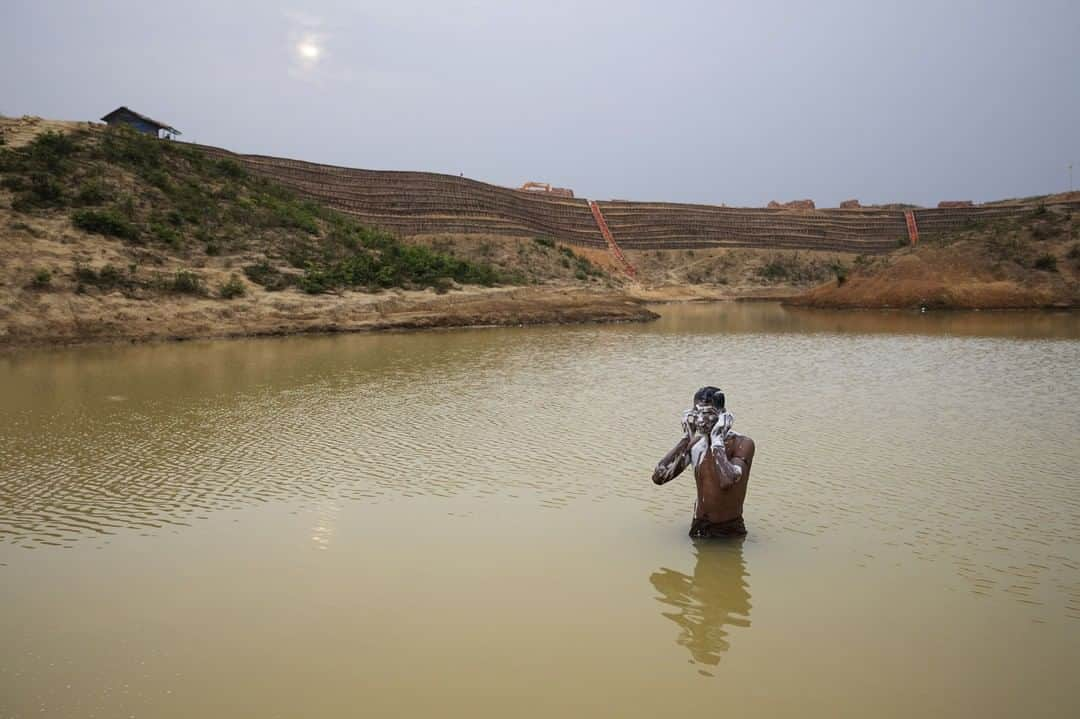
column 775, row 270
column 1074, row 252
column 794, row 269
column 108, row 277
column 166, row 194
column 42, row 279
column 583, row 268
column 105, row 222
column 39, row 190
column 187, row 283
column 394, row 265
column 166, row 235
column 91, row 192
column 51, row 151
column 270, row 277
column 232, row 289
column 840, row 271
column 545, row 242
column 1046, row 263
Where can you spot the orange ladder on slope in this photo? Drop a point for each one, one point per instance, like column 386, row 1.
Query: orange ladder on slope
column 912, row 228
column 610, row 239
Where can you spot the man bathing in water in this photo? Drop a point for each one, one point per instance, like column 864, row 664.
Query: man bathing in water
column 721, row 459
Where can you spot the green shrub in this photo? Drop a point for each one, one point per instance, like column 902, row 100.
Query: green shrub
column 158, row 179
column 231, row 289
column 187, row 283
column 442, row 285
column 775, row 269
column 1074, row 252
column 316, row 281
column 166, row 235
column 45, row 189
column 269, row 277
column 230, row 168
column 105, row 222
column 1046, row 263
column 51, row 150
column 42, row 279
column 134, row 149
column 91, row 192
column 544, row 242
column 841, row 272
column 107, row 278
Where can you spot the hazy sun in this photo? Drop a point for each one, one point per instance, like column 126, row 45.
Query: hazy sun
column 308, row 50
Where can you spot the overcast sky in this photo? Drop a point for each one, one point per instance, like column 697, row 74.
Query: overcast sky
column 716, row 102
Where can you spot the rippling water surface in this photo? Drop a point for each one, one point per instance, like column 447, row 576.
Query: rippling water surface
column 462, row 523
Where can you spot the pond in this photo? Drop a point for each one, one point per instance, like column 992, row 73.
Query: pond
column 461, row 523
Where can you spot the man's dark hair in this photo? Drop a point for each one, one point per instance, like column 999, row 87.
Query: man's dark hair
column 712, row 396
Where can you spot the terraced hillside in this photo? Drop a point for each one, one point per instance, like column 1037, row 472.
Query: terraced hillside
column 412, row 203
column 640, row 225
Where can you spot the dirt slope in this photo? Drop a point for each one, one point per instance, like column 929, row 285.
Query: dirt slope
column 1027, row 262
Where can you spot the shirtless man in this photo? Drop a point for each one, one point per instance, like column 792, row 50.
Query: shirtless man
column 721, row 459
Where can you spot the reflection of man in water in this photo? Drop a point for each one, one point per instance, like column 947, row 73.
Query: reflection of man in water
column 721, row 459
column 708, row 604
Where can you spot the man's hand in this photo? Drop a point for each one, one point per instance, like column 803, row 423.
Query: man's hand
column 718, row 434
column 673, row 463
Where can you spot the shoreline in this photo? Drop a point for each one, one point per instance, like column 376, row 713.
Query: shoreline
column 282, row 314
column 55, row 320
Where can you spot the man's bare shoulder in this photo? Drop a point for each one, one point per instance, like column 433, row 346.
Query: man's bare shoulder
column 740, row 446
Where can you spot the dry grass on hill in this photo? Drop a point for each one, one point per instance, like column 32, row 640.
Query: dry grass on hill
column 727, row 273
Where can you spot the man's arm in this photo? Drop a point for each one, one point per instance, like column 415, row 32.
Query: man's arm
column 733, row 458
column 673, row 463
column 734, row 462
column 743, row 453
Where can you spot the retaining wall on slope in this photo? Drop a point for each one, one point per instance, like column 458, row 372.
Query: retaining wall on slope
column 410, row 203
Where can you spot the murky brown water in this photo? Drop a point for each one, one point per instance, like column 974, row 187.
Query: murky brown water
column 462, row 524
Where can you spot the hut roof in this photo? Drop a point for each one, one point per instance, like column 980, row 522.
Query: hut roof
column 127, row 110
